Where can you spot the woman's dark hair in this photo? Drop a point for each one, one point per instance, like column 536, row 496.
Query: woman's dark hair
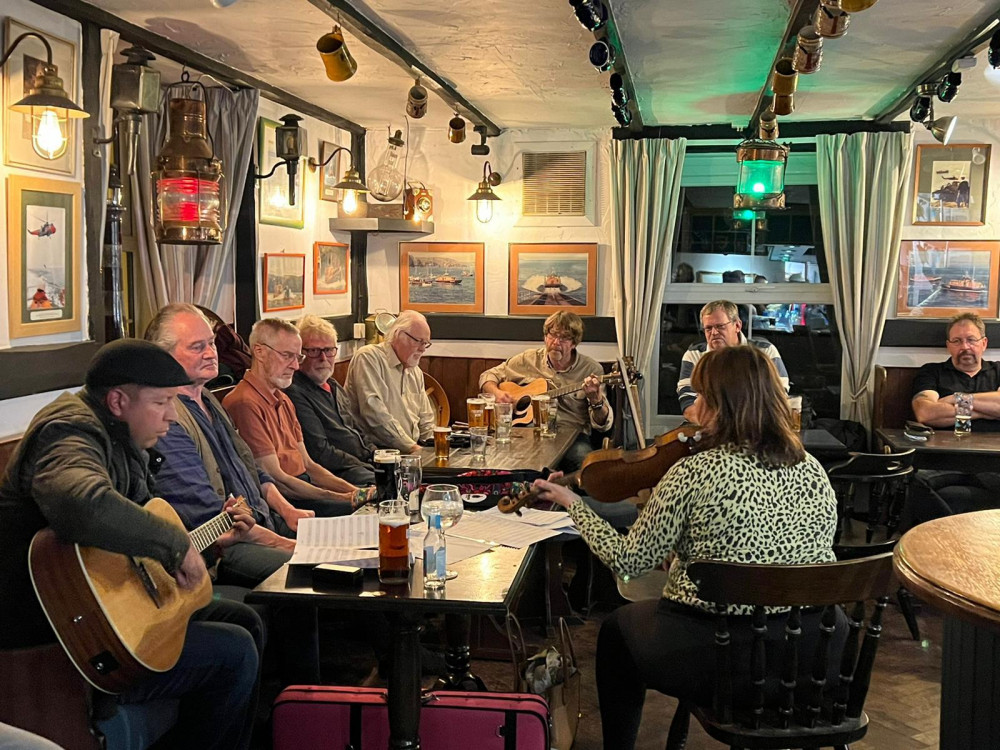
column 741, row 386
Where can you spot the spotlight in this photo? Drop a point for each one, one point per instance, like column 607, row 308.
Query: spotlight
column 602, row 55
column 591, row 14
column 993, row 55
column 923, row 106
column 480, row 149
column 619, row 96
column 947, row 87
column 942, row 128
column 622, row 115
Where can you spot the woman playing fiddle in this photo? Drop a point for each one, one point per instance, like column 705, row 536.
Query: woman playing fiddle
column 751, row 495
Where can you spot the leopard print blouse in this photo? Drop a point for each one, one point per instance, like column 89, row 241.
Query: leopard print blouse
column 721, row 505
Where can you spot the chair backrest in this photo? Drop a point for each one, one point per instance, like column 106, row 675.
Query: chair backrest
column 796, row 586
column 439, row 400
column 874, row 466
column 892, row 396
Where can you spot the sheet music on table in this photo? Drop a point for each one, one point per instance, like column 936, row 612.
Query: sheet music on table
column 354, row 532
column 549, row 519
column 489, row 528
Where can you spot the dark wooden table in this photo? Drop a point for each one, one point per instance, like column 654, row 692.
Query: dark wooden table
column 526, row 451
column 953, row 563
column 487, row 584
column 977, row 452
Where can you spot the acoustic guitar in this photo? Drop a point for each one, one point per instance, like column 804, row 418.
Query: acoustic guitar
column 522, row 412
column 118, row 618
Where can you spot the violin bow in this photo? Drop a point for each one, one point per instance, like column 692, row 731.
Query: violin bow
column 508, row 504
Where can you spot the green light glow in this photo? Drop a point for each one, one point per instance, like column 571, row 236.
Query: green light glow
column 761, row 177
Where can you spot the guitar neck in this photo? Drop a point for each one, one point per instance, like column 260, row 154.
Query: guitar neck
column 556, row 392
column 206, row 534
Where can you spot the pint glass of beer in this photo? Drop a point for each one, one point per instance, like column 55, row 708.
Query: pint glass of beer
column 489, row 410
column 386, row 462
column 795, row 404
column 477, row 412
column 540, row 404
column 393, row 546
column 442, row 444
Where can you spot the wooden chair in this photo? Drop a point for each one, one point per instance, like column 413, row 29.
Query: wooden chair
column 810, row 715
column 439, row 400
column 885, row 475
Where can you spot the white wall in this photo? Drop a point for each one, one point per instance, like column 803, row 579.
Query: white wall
column 451, row 174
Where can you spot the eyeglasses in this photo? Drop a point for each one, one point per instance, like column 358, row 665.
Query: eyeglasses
column 287, row 356
column 970, row 340
column 315, row 352
column 560, row 337
column 422, row 343
column 720, row 327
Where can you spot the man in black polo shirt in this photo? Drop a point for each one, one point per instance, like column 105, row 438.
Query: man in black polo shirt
column 943, row 493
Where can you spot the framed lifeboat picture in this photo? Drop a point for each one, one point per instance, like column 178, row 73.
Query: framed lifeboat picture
column 941, row 278
column 442, row 277
column 545, row 278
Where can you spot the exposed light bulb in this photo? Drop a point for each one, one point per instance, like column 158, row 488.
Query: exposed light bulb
column 48, row 139
column 484, row 211
column 349, row 203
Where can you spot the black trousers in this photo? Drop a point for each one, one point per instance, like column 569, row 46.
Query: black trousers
column 669, row 647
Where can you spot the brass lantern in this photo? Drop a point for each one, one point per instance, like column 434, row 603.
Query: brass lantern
column 189, row 206
column 761, row 183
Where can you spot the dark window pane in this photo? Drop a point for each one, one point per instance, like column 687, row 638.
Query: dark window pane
column 805, row 335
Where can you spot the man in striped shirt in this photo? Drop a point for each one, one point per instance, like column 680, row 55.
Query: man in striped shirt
column 722, row 325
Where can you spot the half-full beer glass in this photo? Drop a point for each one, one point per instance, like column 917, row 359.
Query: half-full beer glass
column 393, row 546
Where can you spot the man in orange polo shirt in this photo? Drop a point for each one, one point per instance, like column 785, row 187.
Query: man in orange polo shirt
column 266, row 420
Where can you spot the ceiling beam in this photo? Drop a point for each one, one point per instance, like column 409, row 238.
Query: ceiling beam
column 609, row 32
column 972, row 44
column 160, row 45
column 798, row 129
column 800, row 14
column 373, row 36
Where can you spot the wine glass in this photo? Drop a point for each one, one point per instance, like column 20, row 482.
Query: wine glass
column 444, row 500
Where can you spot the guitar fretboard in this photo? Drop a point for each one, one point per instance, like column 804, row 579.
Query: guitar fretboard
column 556, row 392
column 208, row 532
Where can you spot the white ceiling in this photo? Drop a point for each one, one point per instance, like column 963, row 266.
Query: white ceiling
column 524, row 64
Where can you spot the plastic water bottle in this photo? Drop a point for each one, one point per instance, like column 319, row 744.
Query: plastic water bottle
column 434, row 554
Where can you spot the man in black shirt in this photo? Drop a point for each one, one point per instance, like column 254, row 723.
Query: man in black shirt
column 323, row 409
column 943, row 493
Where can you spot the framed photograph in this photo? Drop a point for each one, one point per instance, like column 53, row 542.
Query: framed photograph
column 545, row 278
column 950, row 184
column 330, row 174
column 441, row 277
column 18, row 75
column 331, row 267
column 44, row 256
column 941, row 278
column 273, row 206
column 284, row 281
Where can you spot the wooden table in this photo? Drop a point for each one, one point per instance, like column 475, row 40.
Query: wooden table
column 977, row 452
column 953, row 563
column 526, row 451
column 487, row 584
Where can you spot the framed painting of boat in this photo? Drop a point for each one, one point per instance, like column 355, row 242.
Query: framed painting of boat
column 445, row 277
column 331, row 267
column 284, row 281
column 949, row 184
column 545, row 278
column 941, row 278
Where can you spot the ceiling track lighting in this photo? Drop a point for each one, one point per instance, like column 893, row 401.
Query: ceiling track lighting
column 46, row 104
column 603, row 55
column 947, row 87
column 416, row 101
column 591, row 14
column 993, row 54
column 620, row 100
column 480, row 149
column 337, row 59
column 288, row 139
column 922, row 111
column 484, row 195
column 351, row 184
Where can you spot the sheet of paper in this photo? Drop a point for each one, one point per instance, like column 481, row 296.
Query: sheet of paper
column 487, row 528
column 353, row 532
column 361, row 558
column 456, row 549
column 551, row 519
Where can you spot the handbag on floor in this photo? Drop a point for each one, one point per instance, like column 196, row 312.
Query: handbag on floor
column 552, row 673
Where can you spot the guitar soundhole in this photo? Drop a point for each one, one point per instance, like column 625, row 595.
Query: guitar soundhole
column 522, row 406
column 104, row 663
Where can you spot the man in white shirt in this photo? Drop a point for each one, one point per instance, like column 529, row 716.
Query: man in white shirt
column 386, row 386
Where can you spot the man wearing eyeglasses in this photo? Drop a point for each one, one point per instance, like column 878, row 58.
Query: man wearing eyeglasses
column 323, row 407
column 722, row 325
column 386, row 386
column 560, row 364
column 943, row 493
column 266, row 419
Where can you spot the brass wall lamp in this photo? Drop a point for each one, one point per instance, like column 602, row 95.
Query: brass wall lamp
column 351, row 184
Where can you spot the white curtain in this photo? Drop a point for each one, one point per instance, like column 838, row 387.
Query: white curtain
column 200, row 274
column 864, row 180
column 645, row 189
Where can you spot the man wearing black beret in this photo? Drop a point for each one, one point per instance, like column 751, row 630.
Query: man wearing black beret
column 83, row 469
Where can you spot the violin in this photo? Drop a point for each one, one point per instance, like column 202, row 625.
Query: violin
column 614, row 474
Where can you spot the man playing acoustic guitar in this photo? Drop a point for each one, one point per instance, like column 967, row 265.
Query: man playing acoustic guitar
column 559, row 364
column 83, row 469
